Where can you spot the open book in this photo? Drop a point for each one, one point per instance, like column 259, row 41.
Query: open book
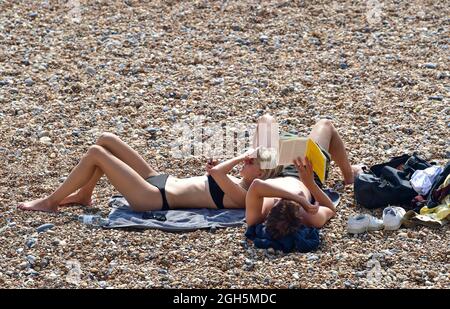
column 292, row 147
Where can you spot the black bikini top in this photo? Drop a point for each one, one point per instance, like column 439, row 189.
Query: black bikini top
column 216, row 192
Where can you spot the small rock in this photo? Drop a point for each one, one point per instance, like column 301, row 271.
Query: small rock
column 45, row 140
column 31, row 242
column 348, row 284
column 43, row 133
column 152, row 130
column 31, row 259
column 44, row 227
column 296, row 276
column 163, row 271
column 264, row 39
column 76, row 132
column 29, row 82
column 343, row 65
column 287, row 90
column 312, row 257
column 436, row 97
column 52, row 276
column 44, row 262
column 3, row 82
column 165, row 108
column 24, row 265
column 236, row 28
column 91, row 71
column 25, row 61
column 33, row 15
column 430, row 65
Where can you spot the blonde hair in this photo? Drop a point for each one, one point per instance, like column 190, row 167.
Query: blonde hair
column 267, row 157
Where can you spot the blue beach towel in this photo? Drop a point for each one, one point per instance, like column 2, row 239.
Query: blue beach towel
column 121, row 216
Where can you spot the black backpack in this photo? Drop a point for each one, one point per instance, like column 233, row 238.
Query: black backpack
column 385, row 184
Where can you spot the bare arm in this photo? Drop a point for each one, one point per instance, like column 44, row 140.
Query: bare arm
column 307, row 176
column 258, row 205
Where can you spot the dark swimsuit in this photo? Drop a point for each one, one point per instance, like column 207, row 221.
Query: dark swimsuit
column 160, row 180
column 216, row 192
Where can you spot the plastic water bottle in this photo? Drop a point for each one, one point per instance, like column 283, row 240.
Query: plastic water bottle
column 94, row 220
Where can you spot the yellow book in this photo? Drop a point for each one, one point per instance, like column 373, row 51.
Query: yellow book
column 293, row 147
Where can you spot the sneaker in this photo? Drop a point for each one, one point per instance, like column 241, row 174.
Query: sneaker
column 363, row 223
column 392, row 217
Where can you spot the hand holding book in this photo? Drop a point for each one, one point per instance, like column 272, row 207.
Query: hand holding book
column 305, row 170
column 294, row 147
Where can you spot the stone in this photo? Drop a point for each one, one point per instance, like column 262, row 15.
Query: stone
column 44, row 227
column 31, row 242
column 430, row 65
column 29, row 82
column 45, row 140
column 436, row 97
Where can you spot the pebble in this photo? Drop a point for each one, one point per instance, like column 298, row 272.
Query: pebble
column 430, row 65
column 343, row 65
column 31, row 242
column 31, row 259
column 43, row 134
column 436, row 97
column 44, row 227
column 312, row 257
column 152, row 130
column 29, row 82
column 91, row 71
column 348, row 284
column 45, row 140
column 264, row 39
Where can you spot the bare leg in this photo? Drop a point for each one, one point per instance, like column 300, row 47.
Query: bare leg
column 122, row 151
column 325, row 134
column 140, row 194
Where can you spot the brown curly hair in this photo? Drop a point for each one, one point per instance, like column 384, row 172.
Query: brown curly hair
column 283, row 219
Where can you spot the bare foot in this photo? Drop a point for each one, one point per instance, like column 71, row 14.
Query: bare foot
column 41, row 204
column 356, row 169
column 75, row 198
